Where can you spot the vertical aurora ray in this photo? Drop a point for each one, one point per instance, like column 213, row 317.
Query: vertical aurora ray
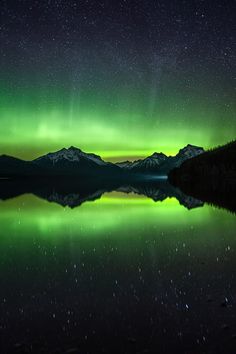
column 109, row 86
column 32, row 125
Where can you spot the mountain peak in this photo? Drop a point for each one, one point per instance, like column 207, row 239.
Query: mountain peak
column 160, row 163
column 190, row 150
column 194, row 146
column 71, row 154
column 73, row 148
column 190, row 146
column 158, row 155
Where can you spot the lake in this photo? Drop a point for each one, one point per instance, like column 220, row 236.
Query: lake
column 122, row 273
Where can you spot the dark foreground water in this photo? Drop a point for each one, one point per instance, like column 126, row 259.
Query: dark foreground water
column 120, row 274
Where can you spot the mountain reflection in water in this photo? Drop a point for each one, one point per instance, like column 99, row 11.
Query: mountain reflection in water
column 133, row 270
column 73, row 193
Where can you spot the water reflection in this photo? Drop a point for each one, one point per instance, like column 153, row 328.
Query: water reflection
column 74, row 193
column 120, row 274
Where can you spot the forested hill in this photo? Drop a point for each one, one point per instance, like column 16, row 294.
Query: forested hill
column 210, row 176
column 220, row 161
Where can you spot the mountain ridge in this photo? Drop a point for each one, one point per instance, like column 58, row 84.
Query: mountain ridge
column 73, row 161
column 159, row 162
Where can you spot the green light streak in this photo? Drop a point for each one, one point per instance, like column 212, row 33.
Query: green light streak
column 34, row 122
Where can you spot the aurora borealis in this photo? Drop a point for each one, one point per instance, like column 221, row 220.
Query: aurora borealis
column 96, row 258
column 121, row 79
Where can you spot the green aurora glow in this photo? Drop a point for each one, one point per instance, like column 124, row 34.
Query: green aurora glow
column 115, row 125
column 122, row 81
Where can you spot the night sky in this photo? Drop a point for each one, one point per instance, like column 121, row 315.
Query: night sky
column 118, row 78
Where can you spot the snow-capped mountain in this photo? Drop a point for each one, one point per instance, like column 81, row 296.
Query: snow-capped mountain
column 71, row 154
column 190, row 151
column 65, row 162
column 150, row 163
column 75, row 161
column 184, row 154
column 160, row 163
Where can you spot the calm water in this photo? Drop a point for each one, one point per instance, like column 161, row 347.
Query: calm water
column 121, row 273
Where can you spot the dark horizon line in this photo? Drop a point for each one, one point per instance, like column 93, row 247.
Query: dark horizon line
column 92, row 153
column 89, row 153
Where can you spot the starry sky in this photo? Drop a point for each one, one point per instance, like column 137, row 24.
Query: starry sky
column 119, row 78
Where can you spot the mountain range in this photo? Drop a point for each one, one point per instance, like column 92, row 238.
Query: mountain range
column 72, row 161
column 160, row 163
